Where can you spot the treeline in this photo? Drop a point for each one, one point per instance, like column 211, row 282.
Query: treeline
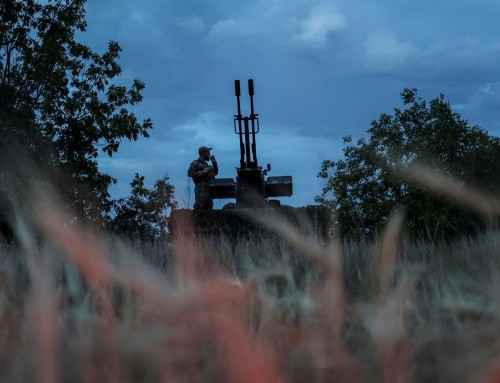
column 60, row 111
column 378, row 174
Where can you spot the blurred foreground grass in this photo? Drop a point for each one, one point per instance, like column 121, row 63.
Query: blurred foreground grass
column 81, row 306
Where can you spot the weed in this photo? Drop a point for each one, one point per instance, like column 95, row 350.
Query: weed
column 79, row 305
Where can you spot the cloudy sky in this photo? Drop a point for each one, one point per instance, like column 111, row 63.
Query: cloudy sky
column 322, row 70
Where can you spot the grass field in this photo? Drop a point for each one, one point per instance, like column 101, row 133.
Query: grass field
column 77, row 305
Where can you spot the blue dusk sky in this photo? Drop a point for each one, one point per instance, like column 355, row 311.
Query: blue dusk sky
column 322, row 70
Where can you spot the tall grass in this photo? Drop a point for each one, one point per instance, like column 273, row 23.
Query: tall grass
column 78, row 305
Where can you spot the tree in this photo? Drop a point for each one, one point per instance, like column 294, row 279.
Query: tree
column 365, row 186
column 142, row 215
column 57, row 101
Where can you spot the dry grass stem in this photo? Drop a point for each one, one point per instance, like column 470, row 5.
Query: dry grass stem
column 485, row 204
column 79, row 305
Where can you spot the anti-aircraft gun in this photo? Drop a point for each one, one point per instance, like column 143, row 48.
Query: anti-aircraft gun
column 252, row 191
column 251, row 188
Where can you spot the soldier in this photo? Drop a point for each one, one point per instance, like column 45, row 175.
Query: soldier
column 201, row 173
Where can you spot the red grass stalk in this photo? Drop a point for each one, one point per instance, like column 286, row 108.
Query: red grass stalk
column 245, row 359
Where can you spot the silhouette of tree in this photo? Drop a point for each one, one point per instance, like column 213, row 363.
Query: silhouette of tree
column 367, row 184
column 58, row 103
column 143, row 215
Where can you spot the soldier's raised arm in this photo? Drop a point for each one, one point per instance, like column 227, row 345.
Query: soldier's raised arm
column 214, row 165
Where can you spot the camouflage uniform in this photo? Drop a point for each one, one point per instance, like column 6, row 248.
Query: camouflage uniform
column 202, row 182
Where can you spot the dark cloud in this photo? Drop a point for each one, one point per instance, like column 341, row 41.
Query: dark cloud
column 322, row 70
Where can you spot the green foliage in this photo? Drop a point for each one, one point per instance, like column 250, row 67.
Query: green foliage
column 365, row 186
column 142, row 216
column 57, row 101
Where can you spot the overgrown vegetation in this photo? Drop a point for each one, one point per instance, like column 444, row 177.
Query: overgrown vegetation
column 60, row 106
column 372, row 179
column 78, row 305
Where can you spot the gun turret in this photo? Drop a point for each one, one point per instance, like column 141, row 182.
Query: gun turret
column 251, row 188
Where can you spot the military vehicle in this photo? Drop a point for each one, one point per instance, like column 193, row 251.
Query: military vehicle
column 252, row 191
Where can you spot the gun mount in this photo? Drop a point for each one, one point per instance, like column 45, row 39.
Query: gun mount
column 251, row 188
